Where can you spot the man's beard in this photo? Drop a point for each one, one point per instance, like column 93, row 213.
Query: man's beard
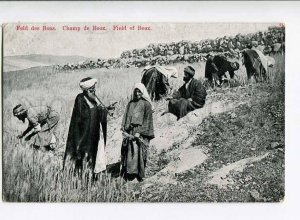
column 90, row 98
column 186, row 79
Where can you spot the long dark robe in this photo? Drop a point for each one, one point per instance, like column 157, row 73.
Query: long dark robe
column 156, row 83
column 137, row 119
column 223, row 66
column 218, row 65
column 210, row 68
column 84, row 132
column 180, row 105
column 253, row 64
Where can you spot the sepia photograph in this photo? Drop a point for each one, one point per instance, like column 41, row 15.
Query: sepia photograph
column 143, row 112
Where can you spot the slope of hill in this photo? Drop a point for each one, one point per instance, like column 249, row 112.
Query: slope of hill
column 13, row 63
column 231, row 150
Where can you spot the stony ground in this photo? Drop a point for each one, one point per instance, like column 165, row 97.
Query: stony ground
column 235, row 154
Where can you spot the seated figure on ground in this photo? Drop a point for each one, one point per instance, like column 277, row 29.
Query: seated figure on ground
column 190, row 96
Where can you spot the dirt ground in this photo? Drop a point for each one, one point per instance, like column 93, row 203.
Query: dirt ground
column 235, row 154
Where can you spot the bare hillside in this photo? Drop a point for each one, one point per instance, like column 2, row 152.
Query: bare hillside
column 13, row 63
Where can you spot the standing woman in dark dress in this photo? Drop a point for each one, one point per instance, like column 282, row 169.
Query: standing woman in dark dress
column 137, row 127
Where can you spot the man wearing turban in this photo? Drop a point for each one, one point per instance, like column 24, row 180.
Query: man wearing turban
column 189, row 97
column 42, row 124
column 86, row 139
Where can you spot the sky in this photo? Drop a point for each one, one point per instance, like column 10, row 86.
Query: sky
column 109, row 43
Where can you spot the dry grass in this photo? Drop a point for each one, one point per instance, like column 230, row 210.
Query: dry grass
column 30, row 176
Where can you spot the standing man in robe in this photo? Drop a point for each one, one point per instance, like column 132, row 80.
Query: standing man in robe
column 189, row 97
column 86, row 139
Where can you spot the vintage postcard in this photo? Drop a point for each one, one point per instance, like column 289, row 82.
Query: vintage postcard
column 143, row 112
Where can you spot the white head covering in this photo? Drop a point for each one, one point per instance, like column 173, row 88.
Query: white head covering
column 19, row 110
column 145, row 94
column 87, row 83
column 168, row 71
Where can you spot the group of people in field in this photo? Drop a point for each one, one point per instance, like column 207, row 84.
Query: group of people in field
column 270, row 41
column 87, row 134
column 255, row 61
